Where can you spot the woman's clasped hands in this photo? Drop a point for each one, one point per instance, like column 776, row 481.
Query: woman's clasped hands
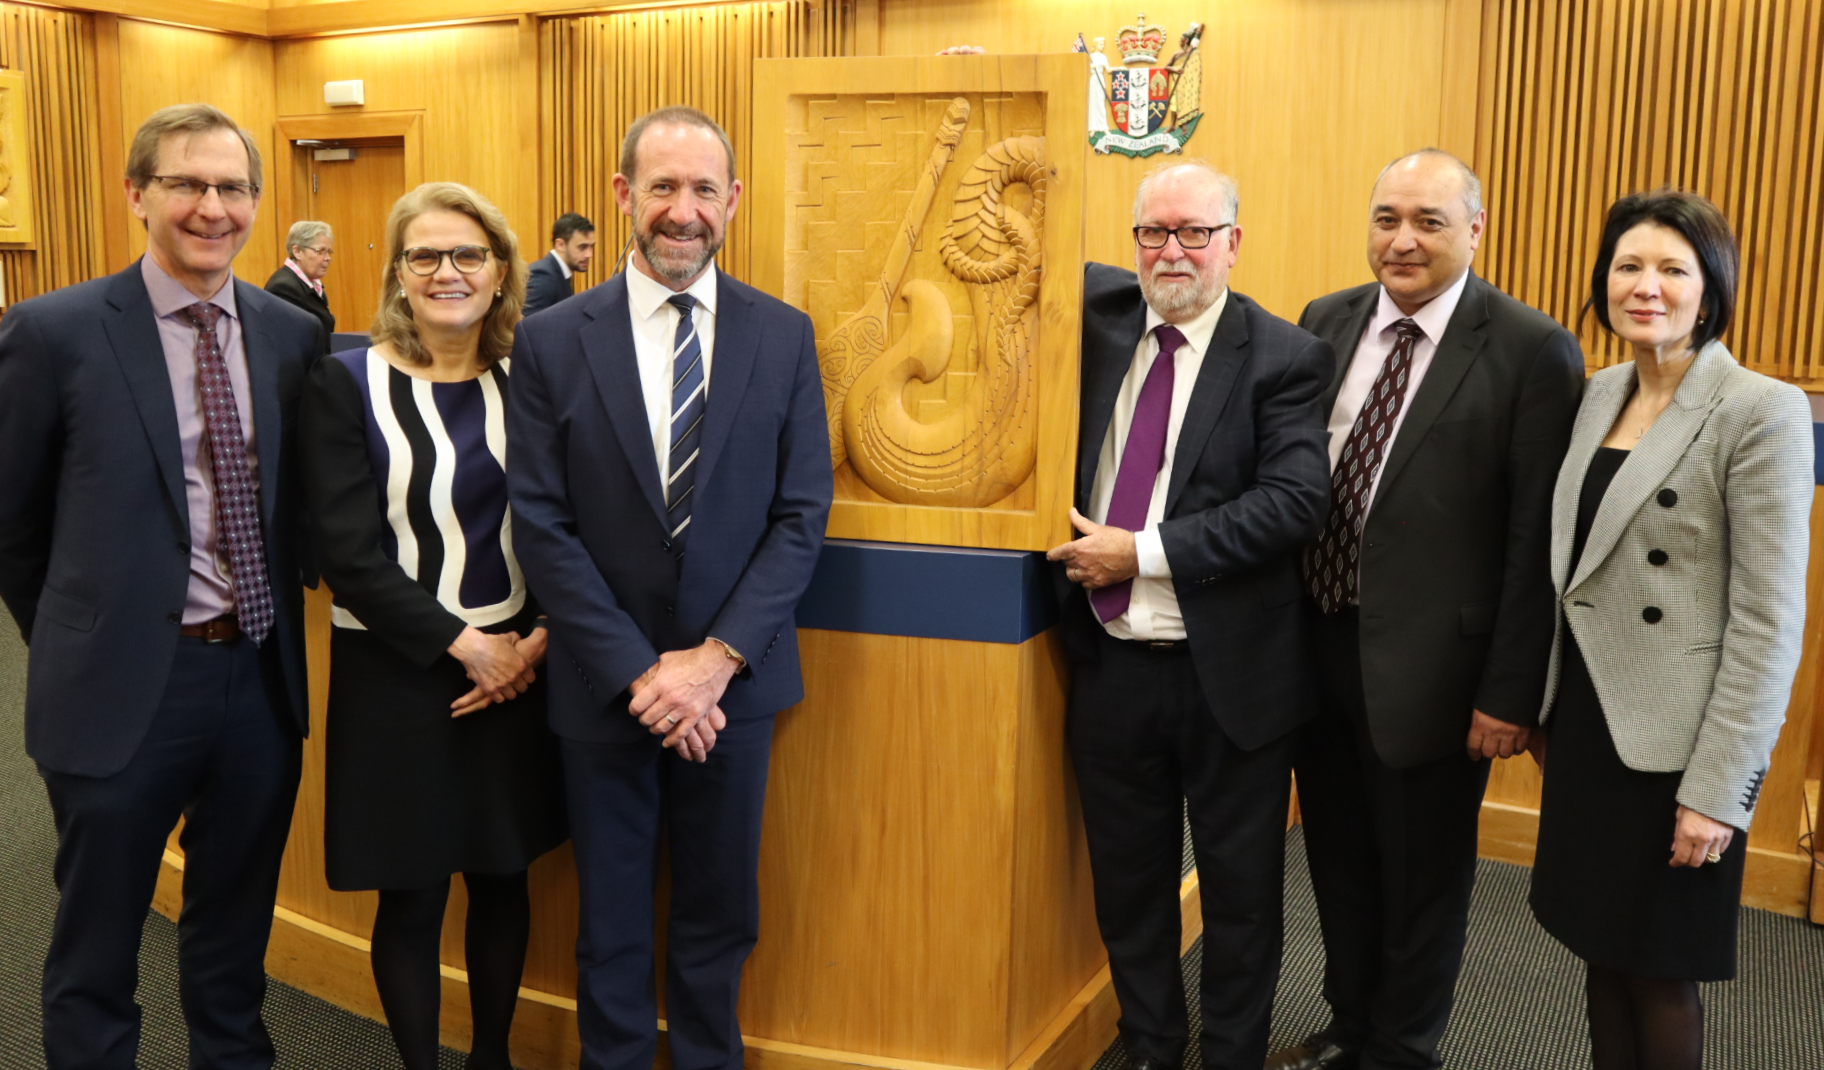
column 501, row 666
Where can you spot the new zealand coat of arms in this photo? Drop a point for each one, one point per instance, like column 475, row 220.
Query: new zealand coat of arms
column 1141, row 108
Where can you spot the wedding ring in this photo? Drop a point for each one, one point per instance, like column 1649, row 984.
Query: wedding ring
column 671, row 718
column 1713, row 857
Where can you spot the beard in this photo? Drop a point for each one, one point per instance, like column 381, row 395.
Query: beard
column 677, row 265
column 1188, row 299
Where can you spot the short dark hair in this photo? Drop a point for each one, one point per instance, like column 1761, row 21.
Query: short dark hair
column 676, row 115
column 569, row 223
column 1696, row 220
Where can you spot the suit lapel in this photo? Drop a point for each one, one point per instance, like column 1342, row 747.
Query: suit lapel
column 1210, row 394
column 608, row 347
column 1345, row 340
column 1654, row 456
column 260, row 347
column 731, row 365
column 1457, row 350
column 1108, row 353
column 133, row 332
column 1602, row 402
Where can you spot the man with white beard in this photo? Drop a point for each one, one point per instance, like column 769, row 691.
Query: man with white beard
column 1201, row 475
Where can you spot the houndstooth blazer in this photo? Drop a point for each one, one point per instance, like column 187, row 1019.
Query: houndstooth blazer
column 1689, row 600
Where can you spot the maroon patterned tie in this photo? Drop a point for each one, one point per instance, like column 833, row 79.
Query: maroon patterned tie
column 1141, row 458
column 237, row 514
column 1333, row 563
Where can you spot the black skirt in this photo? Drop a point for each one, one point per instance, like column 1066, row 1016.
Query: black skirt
column 412, row 794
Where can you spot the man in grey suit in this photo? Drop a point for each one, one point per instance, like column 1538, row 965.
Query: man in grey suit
column 1449, row 414
column 552, row 277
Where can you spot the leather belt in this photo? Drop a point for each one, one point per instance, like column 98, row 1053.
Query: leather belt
column 220, row 630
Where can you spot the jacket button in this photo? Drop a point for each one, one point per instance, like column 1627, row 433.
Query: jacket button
column 665, row 544
column 1651, row 615
column 1668, row 497
column 1656, row 557
column 183, row 548
column 175, row 617
column 671, row 610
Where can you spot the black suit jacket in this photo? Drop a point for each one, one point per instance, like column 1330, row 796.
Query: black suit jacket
column 1250, row 486
column 285, row 283
column 1456, row 592
column 94, row 523
column 546, row 285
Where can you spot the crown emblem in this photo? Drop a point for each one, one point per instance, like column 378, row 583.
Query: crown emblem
column 1141, row 42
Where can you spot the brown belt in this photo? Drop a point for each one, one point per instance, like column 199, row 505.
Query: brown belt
column 220, row 630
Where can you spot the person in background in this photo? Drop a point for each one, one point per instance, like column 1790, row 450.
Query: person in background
column 572, row 248
column 438, row 760
column 152, row 553
column 1680, row 535
column 309, row 245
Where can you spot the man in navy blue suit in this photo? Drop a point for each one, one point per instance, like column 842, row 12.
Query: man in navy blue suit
column 670, row 480
column 150, row 554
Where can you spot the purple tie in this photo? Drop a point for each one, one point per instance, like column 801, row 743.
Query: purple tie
column 1141, row 460
column 237, row 515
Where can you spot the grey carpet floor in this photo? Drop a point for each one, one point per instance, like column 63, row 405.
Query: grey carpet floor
column 1519, row 1004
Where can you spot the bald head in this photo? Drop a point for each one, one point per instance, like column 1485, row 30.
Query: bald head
column 1424, row 224
column 1438, row 162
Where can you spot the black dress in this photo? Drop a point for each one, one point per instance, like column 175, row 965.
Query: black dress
column 1601, row 882
column 408, row 497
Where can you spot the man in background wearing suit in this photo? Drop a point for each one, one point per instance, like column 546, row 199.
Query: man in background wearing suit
column 572, row 247
column 1200, row 477
column 149, row 552
column 1449, row 412
column 309, row 245
column 670, row 483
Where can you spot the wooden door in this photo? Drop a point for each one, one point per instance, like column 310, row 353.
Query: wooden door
column 354, row 197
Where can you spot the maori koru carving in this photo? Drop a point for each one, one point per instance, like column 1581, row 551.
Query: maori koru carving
column 981, row 446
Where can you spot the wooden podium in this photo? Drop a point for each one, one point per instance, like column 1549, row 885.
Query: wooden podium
column 924, row 884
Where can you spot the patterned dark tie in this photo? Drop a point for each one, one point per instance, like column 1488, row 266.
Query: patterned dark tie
column 237, row 514
column 689, row 399
column 1333, row 563
column 1141, row 458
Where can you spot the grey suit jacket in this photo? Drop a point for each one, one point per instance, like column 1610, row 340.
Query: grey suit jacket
column 1692, row 657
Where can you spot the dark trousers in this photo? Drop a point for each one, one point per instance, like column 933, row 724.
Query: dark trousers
column 1145, row 744
column 621, row 794
column 1393, row 863
column 219, row 754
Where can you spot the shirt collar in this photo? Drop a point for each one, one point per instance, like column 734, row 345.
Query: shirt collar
column 1198, row 332
column 561, row 266
column 1432, row 319
column 648, row 296
column 299, row 272
column 169, row 296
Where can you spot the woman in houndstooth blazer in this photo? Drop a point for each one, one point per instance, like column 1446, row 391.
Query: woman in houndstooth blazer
column 1679, row 543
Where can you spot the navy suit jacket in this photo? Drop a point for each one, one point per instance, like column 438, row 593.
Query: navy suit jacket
column 94, row 524
column 1250, row 487
column 546, row 285
column 589, row 521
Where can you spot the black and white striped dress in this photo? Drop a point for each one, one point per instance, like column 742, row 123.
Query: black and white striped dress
column 408, row 497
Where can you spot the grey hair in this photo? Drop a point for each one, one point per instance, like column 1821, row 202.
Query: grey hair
column 1472, row 186
column 1225, row 186
column 304, row 232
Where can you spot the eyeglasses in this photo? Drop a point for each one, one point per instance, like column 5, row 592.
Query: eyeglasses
column 325, row 251
column 183, row 188
column 1188, row 237
column 468, row 258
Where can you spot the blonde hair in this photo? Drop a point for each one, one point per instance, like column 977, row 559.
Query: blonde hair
column 184, row 119
column 393, row 323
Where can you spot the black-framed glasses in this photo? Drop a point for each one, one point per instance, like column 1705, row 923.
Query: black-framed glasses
column 1188, row 237
column 185, row 188
column 423, row 260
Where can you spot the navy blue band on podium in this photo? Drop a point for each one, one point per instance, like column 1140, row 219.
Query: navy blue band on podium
column 929, row 592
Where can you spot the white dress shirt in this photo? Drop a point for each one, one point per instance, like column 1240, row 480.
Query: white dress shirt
column 565, row 268
column 1152, row 611
column 655, row 328
column 1372, row 352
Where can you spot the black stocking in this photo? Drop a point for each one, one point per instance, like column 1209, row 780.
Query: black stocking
column 408, row 931
column 499, row 923
column 1644, row 1023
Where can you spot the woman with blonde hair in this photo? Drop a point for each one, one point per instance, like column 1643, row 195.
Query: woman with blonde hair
column 438, row 760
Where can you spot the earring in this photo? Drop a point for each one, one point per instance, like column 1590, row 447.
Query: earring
column 496, row 293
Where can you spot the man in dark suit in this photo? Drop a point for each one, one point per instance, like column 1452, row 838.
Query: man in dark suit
column 572, row 247
column 149, row 552
column 1449, row 412
column 670, row 483
column 309, row 246
column 1200, row 476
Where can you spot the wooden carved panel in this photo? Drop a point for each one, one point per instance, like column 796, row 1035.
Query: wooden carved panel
column 927, row 224
column 15, row 164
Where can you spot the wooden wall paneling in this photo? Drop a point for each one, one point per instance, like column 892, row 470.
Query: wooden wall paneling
column 111, row 141
column 244, row 17
column 233, row 73
column 1779, row 819
column 534, row 222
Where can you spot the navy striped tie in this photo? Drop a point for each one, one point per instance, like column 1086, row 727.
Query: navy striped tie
column 689, row 399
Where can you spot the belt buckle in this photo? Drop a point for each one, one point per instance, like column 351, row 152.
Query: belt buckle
column 1163, row 644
